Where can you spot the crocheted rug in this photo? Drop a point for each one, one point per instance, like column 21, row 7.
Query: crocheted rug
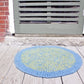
column 47, row 61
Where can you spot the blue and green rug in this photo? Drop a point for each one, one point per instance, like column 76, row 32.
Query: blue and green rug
column 48, row 61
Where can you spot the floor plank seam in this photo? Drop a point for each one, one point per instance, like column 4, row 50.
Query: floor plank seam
column 5, row 52
column 80, row 77
column 42, row 80
column 23, row 78
column 62, row 80
column 79, row 52
column 8, row 69
column 74, row 44
column 77, row 71
column 6, row 73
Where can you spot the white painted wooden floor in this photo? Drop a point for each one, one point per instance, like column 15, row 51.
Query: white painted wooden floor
column 9, row 74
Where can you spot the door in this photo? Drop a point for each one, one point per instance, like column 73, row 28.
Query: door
column 48, row 16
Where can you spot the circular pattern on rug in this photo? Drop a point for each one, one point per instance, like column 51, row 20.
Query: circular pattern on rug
column 48, row 61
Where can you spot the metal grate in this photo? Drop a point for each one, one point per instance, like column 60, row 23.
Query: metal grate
column 49, row 11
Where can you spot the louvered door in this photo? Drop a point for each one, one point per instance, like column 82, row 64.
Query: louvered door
column 48, row 16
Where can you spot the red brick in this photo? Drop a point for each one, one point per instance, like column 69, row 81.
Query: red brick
column 3, row 8
column 7, row 17
column 6, row 13
column 2, row 21
column 1, row 3
column 2, row 34
column 3, row 17
column 6, row 3
column 2, row 26
column 2, row 30
column 3, row 0
column 1, row 13
column 7, row 22
column 7, row 26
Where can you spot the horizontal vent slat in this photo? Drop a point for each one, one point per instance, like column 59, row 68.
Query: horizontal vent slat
column 44, row 4
column 51, row 19
column 49, row 9
column 48, row 0
column 49, row 14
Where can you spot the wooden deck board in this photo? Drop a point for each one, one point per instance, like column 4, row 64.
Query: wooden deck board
column 73, row 78
column 3, row 50
column 32, row 80
column 52, row 81
column 14, row 76
column 5, row 61
column 81, row 70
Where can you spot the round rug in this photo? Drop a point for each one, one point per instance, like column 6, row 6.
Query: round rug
column 47, row 61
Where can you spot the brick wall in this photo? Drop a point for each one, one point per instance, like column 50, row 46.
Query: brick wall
column 4, row 22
